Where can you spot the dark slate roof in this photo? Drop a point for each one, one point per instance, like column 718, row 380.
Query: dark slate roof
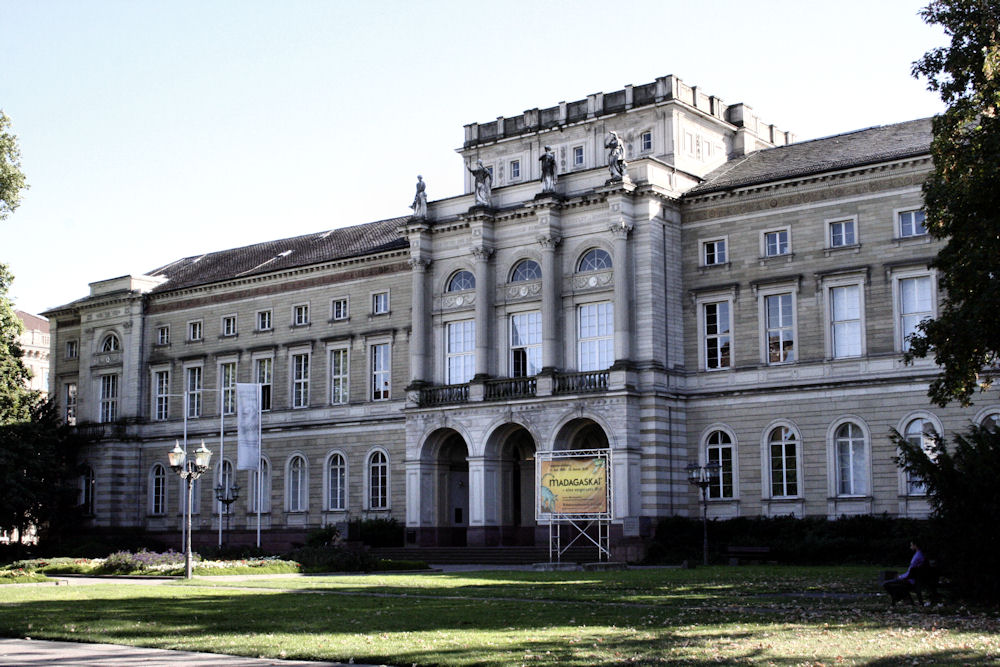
column 366, row 239
column 841, row 151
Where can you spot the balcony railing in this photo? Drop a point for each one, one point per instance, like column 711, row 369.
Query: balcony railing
column 498, row 390
column 580, row 383
column 444, row 395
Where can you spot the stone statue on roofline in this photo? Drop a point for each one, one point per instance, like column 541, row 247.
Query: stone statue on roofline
column 616, row 156
column 419, row 204
column 484, row 183
column 548, row 160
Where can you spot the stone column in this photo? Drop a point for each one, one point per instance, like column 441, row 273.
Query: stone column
column 484, row 303
column 551, row 307
column 623, row 290
column 420, row 322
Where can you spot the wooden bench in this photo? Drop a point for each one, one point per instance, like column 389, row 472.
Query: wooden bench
column 745, row 554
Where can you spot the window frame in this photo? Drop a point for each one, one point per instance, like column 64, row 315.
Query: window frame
column 345, row 312
column 299, row 377
column 260, row 316
column 701, row 302
column 451, row 286
column 763, row 293
column 705, row 447
column 384, row 486
column 266, row 481
column 110, row 343
column 157, row 490
column 108, row 403
column 376, row 375
column 531, row 349
column 70, row 402
column 765, row 245
column 341, row 473
column 343, row 380
column 703, row 245
column 898, row 276
column 833, row 458
column 163, row 335
column 375, row 299
column 829, row 284
column 512, row 166
column 297, row 491
column 258, row 363
column 593, row 251
column 160, row 408
column 227, row 392
column 516, row 269
column 830, row 222
column 646, row 141
column 898, row 219
column 906, row 482
column 599, row 340
column 767, row 486
column 465, row 357
column 195, row 397
column 228, row 326
column 72, row 349
column 300, row 314
column 579, row 156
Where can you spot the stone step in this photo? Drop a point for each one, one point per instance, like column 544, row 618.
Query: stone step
column 488, row 555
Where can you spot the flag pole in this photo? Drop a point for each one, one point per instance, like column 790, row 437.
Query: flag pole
column 222, row 453
column 260, row 446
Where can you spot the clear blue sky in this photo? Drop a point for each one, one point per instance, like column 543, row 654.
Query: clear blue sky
column 156, row 130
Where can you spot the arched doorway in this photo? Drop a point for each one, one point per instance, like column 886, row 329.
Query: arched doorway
column 446, row 455
column 581, row 434
column 513, row 449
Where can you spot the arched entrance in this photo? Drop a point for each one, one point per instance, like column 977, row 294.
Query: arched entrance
column 445, row 454
column 513, row 449
column 581, row 433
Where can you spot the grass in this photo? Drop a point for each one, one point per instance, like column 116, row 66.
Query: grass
column 747, row 615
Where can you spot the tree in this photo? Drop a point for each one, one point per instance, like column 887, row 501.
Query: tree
column 11, row 178
column 15, row 398
column 962, row 198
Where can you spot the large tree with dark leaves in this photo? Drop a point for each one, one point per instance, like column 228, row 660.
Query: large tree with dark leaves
column 962, row 198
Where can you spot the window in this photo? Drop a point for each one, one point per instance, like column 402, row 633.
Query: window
column 378, row 481
column 990, row 421
column 300, row 315
column 263, row 320
column 72, row 349
column 920, row 433
column 915, row 305
column 911, row 223
column 461, row 354
column 195, row 496
column 776, row 243
column 515, row 169
column 339, row 389
column 578, row 156
column 782, row 447
column 852, row 460
column 297, row 484
column 110, row 343
column 717, row 340
column 595, row 335
column 194, row 330
column 300, row 380
column 380, row 302
column 70, row 394
column 263, row 375
column 158, row 490
column 161, row 398
column 719, row 449
column 163, row 336
column 462, row 280
column 595, row 259
column 227, row 383
column 193, row 391
column 109, row 399
column 842, row 233
column 226, row 483
column 714, row 252
column 263, row 481
column 338, row 309
column 88, row 482
column 229, row 325
column 336, row 490
column 380, row 371
column 845, row 321
column 646, row 142
column 526, row 269
column 525, row 344
column 780, row 331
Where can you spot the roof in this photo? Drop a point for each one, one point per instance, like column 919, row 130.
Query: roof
column 32, row 322
column 851, row 149
column 270, row 256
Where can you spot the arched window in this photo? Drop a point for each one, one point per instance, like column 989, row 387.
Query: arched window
column 852, row 460
column 87, row 483
column 158, row 490
column 783, row 456
column 297, row 484
column 991, row 421
column 719, row 449
column 378, row 481
column 526, row 269
column 110, row 343
column 921, row 433
column 264, row 482
column 595, row 259
column 463, row 280
column 336, row 468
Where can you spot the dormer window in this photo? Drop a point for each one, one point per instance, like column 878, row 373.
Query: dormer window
column 110, row 343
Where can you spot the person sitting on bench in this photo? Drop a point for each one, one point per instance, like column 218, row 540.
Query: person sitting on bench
column 913, row 580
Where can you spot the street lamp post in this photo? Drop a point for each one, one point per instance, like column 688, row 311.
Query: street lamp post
column 703, row 477
column 227, row 495
column 189, row 470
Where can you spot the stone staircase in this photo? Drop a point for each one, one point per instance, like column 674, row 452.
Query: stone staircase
column 485, row 555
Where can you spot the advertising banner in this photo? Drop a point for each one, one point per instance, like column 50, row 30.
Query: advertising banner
column 247, row 426
column 577, row 485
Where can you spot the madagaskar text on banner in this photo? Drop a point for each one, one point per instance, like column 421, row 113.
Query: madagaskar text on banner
column 247, row 426
column 574, row 485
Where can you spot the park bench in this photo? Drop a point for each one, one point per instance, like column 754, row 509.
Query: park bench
column 927, row 580
column 747, row 554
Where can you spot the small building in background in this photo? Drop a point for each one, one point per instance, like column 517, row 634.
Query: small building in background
column 35, row 343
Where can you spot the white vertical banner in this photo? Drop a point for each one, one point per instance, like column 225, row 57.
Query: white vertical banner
column 247, row 426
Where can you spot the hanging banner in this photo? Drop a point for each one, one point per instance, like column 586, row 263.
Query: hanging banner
column 573, row 485
column 247, row 426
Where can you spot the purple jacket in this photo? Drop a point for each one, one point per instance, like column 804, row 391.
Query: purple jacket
column 916, row 562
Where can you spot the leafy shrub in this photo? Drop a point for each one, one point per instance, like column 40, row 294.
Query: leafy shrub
column 125, row 562
column 333, row 559
column 387, row 565
column 376, row 532
column 321, row 537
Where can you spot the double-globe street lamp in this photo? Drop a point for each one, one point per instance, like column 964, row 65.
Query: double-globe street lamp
column 189, row 470
column 704, row 477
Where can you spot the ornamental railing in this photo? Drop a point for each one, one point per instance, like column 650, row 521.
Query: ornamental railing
column 444, row 395
column 581, row 383
column 498, row 390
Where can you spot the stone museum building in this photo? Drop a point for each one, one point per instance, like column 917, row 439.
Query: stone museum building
column 650, row 270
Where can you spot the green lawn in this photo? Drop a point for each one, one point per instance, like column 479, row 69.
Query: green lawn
column 747, row 615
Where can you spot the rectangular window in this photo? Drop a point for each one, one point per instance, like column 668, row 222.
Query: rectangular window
column 842, row 233
column 300, row 315
column 723, row 455
column 339, row 389
column 163, row 336
column 380, row 369
column 263, row 375
column 109, row 399
column 578, row 156
column 461, row 352
column 845, row 321
column 194, row 330
column 263, row 320
column 229, row 325
column 776, row 243
column 915, row 305
column 717, row 340
column 193, row 390
column 161, row 399
column 300, row 380
column 70, row 395
column 515, row 169
column 646, row 141
column 227, row 382
column 784, row 471
column 780, row 328
column 338, row 309
column 714, row 252
column 595, row 336
column 72, row 349
column 911, row 223
column 380, row 303
column 525, row 344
